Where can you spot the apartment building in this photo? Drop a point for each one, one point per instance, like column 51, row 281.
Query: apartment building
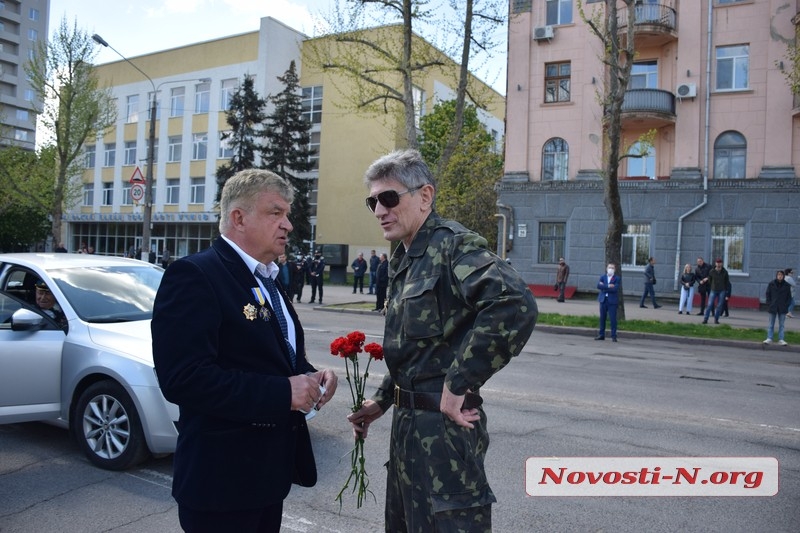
column 23, row 23
column 720, row 180
column 193, row 85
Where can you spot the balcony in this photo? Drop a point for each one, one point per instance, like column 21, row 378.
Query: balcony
column 649, row 108
column 655, row 24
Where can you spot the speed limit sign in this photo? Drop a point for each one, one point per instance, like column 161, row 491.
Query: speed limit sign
column 137, row 192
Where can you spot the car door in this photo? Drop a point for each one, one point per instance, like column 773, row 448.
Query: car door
column 30, row 363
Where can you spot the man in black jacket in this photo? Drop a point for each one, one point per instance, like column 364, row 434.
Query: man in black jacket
column 701, row 273
column 717, row 281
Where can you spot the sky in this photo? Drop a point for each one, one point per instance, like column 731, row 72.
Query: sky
column 144, row 26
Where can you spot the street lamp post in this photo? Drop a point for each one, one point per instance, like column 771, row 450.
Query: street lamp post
column 151, row 144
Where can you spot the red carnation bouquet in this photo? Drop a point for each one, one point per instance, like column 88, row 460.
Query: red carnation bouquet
column 348, row 348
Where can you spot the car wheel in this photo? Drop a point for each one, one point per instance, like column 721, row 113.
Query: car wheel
column 108, row 428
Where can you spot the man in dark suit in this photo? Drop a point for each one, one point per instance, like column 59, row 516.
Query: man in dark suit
column 608, row 296
column 229, row 351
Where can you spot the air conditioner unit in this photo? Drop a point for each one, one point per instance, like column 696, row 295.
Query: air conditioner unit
column 686, row 90
column 543, row 32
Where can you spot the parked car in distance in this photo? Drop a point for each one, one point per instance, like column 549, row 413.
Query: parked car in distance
column 86, row 364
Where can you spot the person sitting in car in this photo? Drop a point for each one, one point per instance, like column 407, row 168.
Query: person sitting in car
column 46, row 302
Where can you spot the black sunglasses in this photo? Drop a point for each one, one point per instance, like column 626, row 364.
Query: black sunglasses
column 388, row 199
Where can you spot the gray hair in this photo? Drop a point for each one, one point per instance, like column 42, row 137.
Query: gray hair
column 404, row 166
column 241, row 190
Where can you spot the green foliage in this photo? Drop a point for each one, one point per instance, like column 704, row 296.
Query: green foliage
column 245, row 116
column 26, row 189
column 75, row 108
column 466, row 185
column 287, row 153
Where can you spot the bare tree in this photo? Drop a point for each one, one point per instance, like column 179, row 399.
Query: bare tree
column 75, row 108
column 618, row 56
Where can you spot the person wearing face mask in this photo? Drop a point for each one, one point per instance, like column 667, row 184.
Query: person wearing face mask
column 608, row 296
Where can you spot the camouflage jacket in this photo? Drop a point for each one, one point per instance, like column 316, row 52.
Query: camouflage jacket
column 456, row 314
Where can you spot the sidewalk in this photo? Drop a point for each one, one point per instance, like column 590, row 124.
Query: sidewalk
column 739, row 318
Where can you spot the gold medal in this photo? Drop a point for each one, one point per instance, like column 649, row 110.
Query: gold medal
column 249, row 312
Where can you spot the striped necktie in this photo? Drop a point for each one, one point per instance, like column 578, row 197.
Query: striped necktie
column 277, row 308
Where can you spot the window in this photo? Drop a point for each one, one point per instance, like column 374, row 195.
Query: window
column 173, row 190
column 132, row 108
column 22, row 135
column 559, row 12
column 130, row 152
column 648, row 11
column 176, row 101
column 555, row 160
column 108, row 193
column 642, row 161
column 644, row 75
column 199, row 145
column 556, row 82
column 23, row 115
column 110, row 155
column 198, row 191
column 227, row 91
column 733, row 67
column 635, row 245
column 419, row 104
column 126, row 193
column 225, row 150
column 174, row 149
column 552, row 241
column 202, row 97
column 33, row 35
column 29, row 95
column 89, row 154
column 33, row 13
column 727, row 242
column 730, row 156
column 88, row 194
column 722, row 2
column 313, row 147
column 312, row 104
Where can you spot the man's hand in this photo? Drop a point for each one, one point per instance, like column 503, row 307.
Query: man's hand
column 451, row 406
column 305, row 392
column 361, row 419
column 327, row 379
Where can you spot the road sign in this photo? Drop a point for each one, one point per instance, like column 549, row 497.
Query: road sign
column 137, row 192
column 137, row 176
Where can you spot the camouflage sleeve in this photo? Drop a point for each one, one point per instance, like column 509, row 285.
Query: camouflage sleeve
column 505, row 313
column 384, row 396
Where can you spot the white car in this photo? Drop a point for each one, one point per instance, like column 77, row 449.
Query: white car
column 89, row 369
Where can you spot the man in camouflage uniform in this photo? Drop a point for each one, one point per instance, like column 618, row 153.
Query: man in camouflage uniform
column 456, row 315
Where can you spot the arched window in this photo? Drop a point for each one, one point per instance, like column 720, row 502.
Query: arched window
column 730, row 156
column 555, row 160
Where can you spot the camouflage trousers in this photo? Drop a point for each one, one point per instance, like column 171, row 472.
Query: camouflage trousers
column 436, row 480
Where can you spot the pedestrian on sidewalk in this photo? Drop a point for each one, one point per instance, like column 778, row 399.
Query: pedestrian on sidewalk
column 381, row 282
column 779, row 294
column 649, row 281
column 687, row 290
column 718, row 281
column 561, row 278
column 608, row 296
column 701, row 274
column 793, row 286
column 359, row 270
column 374, row 261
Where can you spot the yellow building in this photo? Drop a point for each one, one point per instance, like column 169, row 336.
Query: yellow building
column 193, row 85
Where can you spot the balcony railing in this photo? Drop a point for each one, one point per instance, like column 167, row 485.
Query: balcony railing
column 649, row 101
column 649, row 14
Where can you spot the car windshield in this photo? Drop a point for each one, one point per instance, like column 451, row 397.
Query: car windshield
column 110, row 293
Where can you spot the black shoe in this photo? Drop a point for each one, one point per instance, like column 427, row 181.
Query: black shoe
column 681, row 312
column 613, row 339
column 354, row 292
column 700, row 313
column 705, row 321
column 643, row 306
column 311, row 302
column 656, row 307
column 716, row 321
column 599, row 338
column 560, row 301
column 726, row 315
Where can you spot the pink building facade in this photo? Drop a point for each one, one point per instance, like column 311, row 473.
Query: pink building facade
column 720, row 179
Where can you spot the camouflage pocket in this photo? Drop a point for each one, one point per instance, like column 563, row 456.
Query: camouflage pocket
column 421, row 317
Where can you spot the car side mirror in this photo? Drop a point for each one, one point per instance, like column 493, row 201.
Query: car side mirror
column 25, row 320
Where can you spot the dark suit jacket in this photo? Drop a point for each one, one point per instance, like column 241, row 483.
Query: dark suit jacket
column 604, row 289
column 227, row 367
